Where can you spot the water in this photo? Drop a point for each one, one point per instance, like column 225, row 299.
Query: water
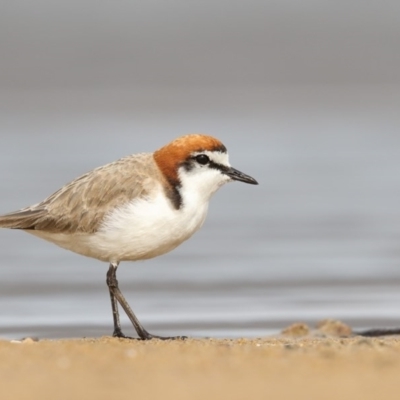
column 318, row 238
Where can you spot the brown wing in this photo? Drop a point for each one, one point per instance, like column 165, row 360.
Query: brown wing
column 81, row 205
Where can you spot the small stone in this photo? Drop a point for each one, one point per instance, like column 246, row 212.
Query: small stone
column 296, row 330
column 333, row 327
column 29, row 340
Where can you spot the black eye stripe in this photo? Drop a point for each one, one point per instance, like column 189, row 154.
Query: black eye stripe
column 190, row 163
column 217, row 166
column 212, row 164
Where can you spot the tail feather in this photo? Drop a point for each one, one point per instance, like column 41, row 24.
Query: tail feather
column 22, row 219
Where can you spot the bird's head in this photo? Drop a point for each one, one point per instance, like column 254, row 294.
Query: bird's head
column 198, row 163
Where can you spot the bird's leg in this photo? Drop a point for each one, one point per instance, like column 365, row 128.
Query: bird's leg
column 117, row 296
column 112, row 281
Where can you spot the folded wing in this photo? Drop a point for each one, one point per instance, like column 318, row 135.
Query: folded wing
column 81, row 205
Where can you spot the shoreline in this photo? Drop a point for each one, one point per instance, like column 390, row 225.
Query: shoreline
column 281, row 367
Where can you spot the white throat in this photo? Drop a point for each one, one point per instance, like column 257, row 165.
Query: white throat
column 199, row 184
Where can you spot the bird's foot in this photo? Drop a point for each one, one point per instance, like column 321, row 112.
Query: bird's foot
column 149, row 336
column 146, row 336
column 119, row 334
column 165, row 337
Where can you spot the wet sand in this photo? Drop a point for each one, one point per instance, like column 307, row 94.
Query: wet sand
column 286, row 367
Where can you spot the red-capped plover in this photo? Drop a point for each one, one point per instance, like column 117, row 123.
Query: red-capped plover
column 135, row 208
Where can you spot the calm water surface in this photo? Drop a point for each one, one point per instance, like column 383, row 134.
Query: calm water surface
column 318, row 238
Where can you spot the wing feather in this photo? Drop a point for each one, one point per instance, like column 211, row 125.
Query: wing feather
column 81, row 205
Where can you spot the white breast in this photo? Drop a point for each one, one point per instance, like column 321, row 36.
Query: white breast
column 148, row 228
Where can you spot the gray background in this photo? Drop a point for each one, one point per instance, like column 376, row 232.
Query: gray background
column 306, row 97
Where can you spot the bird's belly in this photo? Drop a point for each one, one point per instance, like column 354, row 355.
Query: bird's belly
column 137, row 231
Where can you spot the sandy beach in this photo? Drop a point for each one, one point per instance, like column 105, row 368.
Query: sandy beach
column 284, row 367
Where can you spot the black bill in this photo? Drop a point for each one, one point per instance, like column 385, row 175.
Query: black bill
column 239, row 176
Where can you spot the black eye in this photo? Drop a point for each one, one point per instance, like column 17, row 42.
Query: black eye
column 202, row 159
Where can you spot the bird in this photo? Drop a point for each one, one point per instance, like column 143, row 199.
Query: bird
column 136, row 208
